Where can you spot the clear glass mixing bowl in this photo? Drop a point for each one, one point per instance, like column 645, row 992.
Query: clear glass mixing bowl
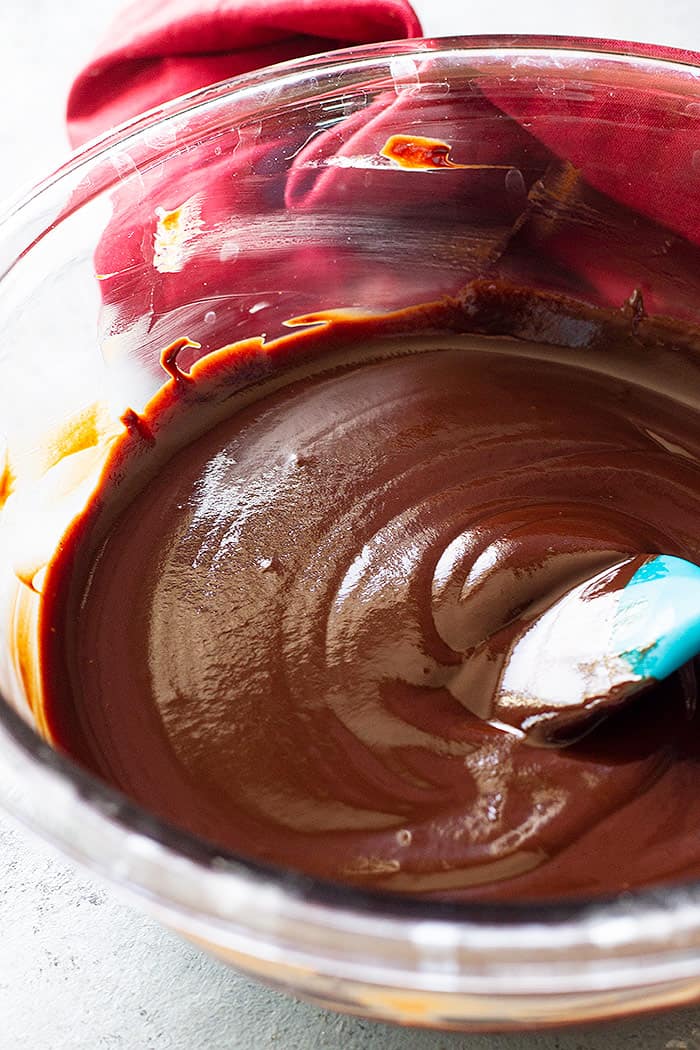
column 218, row 217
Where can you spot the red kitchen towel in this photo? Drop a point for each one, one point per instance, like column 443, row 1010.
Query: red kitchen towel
column 604, row 162
column 632, row 167
column 155, row 51
column 159, row 49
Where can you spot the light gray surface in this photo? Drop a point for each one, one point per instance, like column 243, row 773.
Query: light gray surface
column 78, row 970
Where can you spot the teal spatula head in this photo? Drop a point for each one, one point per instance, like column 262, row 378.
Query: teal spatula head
column 610, row 637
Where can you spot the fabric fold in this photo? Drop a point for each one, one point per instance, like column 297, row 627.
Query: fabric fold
column 157, row 50
column 304, row 216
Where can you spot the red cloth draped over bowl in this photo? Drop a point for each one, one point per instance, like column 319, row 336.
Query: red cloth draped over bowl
column 159, row 49
column 575, row 159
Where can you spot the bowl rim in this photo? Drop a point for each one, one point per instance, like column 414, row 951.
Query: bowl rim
column 661, row 55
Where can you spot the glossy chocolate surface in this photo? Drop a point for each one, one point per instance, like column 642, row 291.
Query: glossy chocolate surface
column 280, row 622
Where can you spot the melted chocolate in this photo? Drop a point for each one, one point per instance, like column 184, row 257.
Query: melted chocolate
column 268, row 626
column 418, row 153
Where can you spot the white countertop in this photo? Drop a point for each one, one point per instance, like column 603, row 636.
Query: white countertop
column 78, row 970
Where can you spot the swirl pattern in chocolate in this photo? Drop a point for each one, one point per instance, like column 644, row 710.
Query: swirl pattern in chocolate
column 275, row 632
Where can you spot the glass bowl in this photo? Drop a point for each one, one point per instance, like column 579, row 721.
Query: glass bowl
column 220, row 216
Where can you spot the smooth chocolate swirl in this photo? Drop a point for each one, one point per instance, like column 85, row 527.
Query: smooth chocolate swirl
column 278, row 643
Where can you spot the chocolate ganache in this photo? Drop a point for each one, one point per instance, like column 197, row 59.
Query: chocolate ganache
column 274, row 623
